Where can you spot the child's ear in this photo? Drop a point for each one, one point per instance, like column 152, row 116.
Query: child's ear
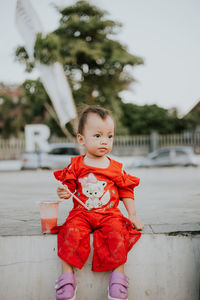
column 80, row 139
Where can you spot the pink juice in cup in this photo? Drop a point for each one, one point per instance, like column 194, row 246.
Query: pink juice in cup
column 49, row 215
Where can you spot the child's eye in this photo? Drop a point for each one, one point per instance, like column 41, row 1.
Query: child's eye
column 97, row 135
column 110, row 136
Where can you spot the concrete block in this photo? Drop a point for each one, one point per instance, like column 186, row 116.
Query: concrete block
column 160, row 267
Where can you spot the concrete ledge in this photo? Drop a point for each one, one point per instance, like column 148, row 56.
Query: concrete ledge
column 160, row 267
column 29, row 228
column 176, row 229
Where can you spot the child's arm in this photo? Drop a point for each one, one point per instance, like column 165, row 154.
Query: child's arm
column 129, row 203
column 64, row 193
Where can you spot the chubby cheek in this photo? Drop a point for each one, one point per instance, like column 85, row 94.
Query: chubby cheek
column 91, row 143
column 110, row 145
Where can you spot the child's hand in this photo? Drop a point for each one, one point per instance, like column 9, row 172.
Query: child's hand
column 63, row 193
column 137, row 224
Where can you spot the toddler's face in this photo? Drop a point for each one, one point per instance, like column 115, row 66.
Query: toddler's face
column 98, row 135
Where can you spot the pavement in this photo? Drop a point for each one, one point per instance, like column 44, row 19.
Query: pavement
column 10, row 165
column 167, row 200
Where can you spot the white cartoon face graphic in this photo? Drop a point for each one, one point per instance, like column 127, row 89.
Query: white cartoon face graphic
column 94, row 189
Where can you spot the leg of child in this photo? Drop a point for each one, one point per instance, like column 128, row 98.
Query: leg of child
column 119, row 269
column 110, row 249
column 66, row 267
column 74, row 237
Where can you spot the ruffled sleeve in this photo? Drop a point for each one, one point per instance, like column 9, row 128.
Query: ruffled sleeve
column 126, row 184
column 67, row 176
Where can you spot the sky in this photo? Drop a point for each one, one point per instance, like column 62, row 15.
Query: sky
column 166, row 34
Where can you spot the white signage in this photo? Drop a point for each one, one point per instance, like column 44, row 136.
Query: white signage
column 37, row 134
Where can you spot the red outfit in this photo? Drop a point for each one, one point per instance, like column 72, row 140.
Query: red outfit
column 100, row 189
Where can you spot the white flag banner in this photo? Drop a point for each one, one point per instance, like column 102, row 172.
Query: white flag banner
column 28, row 24
column 52, row 76
column 57, row 87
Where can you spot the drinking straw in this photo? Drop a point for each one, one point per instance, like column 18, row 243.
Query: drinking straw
column 74, row 196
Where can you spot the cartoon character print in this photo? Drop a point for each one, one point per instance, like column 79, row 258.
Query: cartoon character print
column 94, row 190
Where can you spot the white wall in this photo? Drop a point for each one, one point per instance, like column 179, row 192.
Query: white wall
column 160, row 267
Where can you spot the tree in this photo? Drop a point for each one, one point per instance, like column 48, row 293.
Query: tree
column 148, row 118
column 11, row 118
column 95, row 63
column 192, row 120
column 32, row 106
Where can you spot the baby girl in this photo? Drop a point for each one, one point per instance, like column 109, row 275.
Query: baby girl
column 99, row 183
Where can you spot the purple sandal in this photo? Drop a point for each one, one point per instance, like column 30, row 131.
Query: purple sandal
column 66, row 287
column 118, row 286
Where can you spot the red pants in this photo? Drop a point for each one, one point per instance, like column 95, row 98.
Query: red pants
column 113, row 237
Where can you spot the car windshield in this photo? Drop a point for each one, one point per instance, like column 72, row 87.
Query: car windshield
column 180, row 153
column 164, row 153
column 65, row 151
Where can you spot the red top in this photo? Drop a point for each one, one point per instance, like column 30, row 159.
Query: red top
column 97, row 187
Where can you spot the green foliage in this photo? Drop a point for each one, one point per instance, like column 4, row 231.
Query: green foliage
column 192, row 120
column 46, row 48
column 83, row 9
column 148, row 118
column 96, row 66
column 34, row 98
column 29, row 108
column 95, row 63
column 11, row 117
column 22, row 57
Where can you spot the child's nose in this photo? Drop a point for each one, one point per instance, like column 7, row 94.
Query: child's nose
column 104, row 141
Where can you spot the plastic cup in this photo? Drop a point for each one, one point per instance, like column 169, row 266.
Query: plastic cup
column 49, row 215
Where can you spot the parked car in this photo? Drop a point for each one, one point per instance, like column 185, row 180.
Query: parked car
column 58, row 157
column 30, row 160
column 170, row 156
column 127, row 161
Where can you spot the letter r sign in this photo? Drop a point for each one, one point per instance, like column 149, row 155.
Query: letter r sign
column 36, row 134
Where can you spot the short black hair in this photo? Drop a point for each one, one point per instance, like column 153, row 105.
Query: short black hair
column 100, row 111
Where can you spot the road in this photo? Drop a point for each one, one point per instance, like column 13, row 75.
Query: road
column 164, row 196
